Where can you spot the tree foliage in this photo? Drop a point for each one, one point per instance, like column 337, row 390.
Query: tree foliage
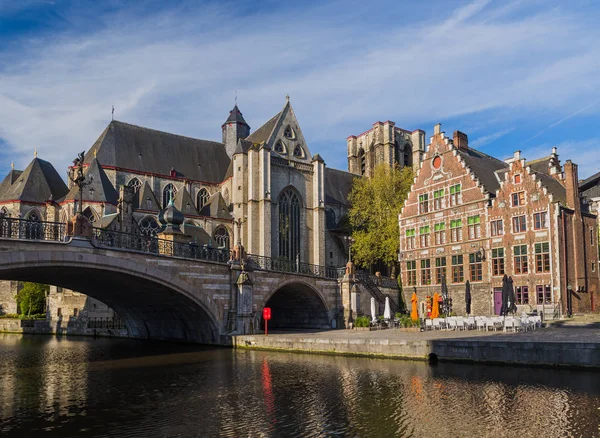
column 31, row 299
column 376, row 204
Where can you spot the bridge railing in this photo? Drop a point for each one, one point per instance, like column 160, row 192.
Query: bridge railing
column 14, row 228
column 288, row 266
column 153, row 245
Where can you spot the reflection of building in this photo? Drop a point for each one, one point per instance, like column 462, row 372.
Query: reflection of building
column 64, row 304
column 473, row 217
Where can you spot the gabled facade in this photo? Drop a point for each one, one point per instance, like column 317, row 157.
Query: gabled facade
column 472, row 217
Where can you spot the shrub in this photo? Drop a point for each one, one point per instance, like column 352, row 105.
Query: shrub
column 362, row 321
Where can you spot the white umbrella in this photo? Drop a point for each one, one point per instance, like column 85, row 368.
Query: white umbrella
column 373, row 311
column 387, row 313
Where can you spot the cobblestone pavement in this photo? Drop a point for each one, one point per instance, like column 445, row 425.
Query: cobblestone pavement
column 586, row 330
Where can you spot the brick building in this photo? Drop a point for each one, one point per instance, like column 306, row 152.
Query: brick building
column 470, row 216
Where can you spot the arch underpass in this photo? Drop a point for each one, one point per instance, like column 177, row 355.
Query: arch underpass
column 297, row 306
column 151, row 304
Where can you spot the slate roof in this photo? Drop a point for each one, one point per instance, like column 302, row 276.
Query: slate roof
column 540, row 165
column 146, row 150
column 197, row 234
column 216, row 207
column 554, row 186
column 9, row 180
column 337, row 186
column 184, row 203
column 484, row 166
column 235, row 115
column 263, row 133
column 145, row 193
column 100, row 190
column 37, row 183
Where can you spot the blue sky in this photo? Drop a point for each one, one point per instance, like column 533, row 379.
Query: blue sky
column 513, row 75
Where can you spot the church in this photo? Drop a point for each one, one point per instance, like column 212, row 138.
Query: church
column 264, row 188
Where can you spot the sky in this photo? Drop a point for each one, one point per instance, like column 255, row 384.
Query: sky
column 513, row 75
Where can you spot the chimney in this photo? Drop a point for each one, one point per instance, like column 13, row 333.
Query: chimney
column 437, row 129
column 461, row 140
column 517, row 155
column 572, row 185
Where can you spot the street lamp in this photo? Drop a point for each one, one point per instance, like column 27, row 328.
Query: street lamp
column 569, row 300
column 75, row 173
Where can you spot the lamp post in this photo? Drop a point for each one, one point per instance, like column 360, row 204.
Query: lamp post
column 75, row 173
column 569, row 300
column 351, row 285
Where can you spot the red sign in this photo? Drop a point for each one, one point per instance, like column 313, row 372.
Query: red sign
column 267, row 313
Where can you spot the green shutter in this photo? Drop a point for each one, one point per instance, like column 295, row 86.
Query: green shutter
column 439, row 227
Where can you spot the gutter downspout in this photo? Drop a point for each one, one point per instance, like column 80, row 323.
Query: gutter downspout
column 568, row 295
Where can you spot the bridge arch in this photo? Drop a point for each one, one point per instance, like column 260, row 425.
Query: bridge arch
column 153, row 303
column 297, row 305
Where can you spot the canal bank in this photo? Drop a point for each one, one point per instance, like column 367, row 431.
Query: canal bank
column 556, row 346
column 46, row 327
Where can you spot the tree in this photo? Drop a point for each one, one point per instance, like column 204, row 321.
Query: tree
column 31, row 299
column 376, row 204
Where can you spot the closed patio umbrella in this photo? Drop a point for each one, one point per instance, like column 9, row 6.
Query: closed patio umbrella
column 512, row 305
column 468, row 297
column 387, row 312
column 444, row 295
column 435, row 307
column 505, row 294
column 373, row 310
column 414, row 313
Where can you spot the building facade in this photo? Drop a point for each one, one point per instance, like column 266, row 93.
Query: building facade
column 473, row 217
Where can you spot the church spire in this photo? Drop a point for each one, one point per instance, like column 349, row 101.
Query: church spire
column 234, row 128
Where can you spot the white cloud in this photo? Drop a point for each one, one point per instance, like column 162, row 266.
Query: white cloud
column 584, row 153
column 177, row 71
column 490, row 138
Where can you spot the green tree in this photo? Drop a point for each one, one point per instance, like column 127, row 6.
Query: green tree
column 31, row 299
column 376, row 204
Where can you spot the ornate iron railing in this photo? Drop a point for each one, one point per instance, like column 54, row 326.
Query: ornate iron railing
column 13, row 228
column 154, row 245
column 368, row 281
column 287, row 266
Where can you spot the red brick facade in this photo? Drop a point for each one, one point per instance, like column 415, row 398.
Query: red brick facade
column 472, row 217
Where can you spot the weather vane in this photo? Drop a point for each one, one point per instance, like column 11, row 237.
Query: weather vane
column 76, row 175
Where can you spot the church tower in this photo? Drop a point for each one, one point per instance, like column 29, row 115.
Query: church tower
column 234, row 128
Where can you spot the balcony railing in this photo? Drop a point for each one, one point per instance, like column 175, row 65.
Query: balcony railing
column 13, row 228
column 287, row 266
column 153, row 245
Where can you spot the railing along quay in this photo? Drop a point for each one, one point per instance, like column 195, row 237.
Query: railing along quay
column 24, row 229
column 287, row 266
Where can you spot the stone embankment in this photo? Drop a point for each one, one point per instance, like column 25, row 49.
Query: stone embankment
column 557, row 345
column 45, row 327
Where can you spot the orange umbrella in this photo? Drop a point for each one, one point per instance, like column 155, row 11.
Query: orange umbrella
column 435, row 310
column 414, row 314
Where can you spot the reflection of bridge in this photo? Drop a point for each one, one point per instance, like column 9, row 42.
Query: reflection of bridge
column 168, row 290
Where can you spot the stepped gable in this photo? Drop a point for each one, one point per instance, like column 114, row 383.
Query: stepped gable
column 37, row 183
column 9, row 180
column 484, row 167
column 100, row 190
column 216, row 207
column 131, row 147
column 338, row 186
column 554, row 186
column 184, row 203
column 144, row 194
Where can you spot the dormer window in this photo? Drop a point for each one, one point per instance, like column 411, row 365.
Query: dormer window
column 298, row 152
column 279, row 148
column 288, row 133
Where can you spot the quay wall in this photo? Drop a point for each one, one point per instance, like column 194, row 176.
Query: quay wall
column 562, row 354
column 46, row 327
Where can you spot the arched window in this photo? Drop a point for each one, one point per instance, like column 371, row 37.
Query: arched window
column 407, row 155
column 4, row 212
column 149, row 226
column 289, row 225
column 89, row 214
column 288, row 133
column 135, row 183
column 33, row 215
column 362, row 161
column 202, row 198
column 279, row 147
column 330, row 222
column 221, row 237
column 169, row 193
column 397, row 154
column 298, row 152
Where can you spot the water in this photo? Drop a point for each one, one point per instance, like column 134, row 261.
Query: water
column 85, row 387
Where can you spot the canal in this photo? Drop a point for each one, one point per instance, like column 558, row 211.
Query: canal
column 116, row 388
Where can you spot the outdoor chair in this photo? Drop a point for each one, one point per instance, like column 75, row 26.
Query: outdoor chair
column 490, row 324
column 480, row 323
column 517, row 325
column 470, row 323
column 428, row 324
column 437, row 324
column 451, row 323
column 460, row 323
column 509, row 323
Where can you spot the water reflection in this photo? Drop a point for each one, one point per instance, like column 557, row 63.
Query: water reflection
column 84, row 387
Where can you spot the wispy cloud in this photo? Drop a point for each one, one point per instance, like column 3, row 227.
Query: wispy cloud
column 564, row 119
column 585, row 153
column 487, row 139
column 344, row 67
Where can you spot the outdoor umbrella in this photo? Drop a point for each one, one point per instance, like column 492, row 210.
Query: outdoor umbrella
column 505, row 293
column 468, row 297
column 435, row 308
column 373, row 311
column 387, row 313
column 444, row 295
column 512, row 305
column 414, row 313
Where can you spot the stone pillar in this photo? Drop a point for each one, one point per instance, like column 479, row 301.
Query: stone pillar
column 318, row 225
column 264, row 196
column 346, row 287
column 79, row 226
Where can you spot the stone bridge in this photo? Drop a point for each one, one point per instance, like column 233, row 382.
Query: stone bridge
column 164, row 292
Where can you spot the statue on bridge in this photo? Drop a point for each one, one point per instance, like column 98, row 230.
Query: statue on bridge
column 80, row 225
